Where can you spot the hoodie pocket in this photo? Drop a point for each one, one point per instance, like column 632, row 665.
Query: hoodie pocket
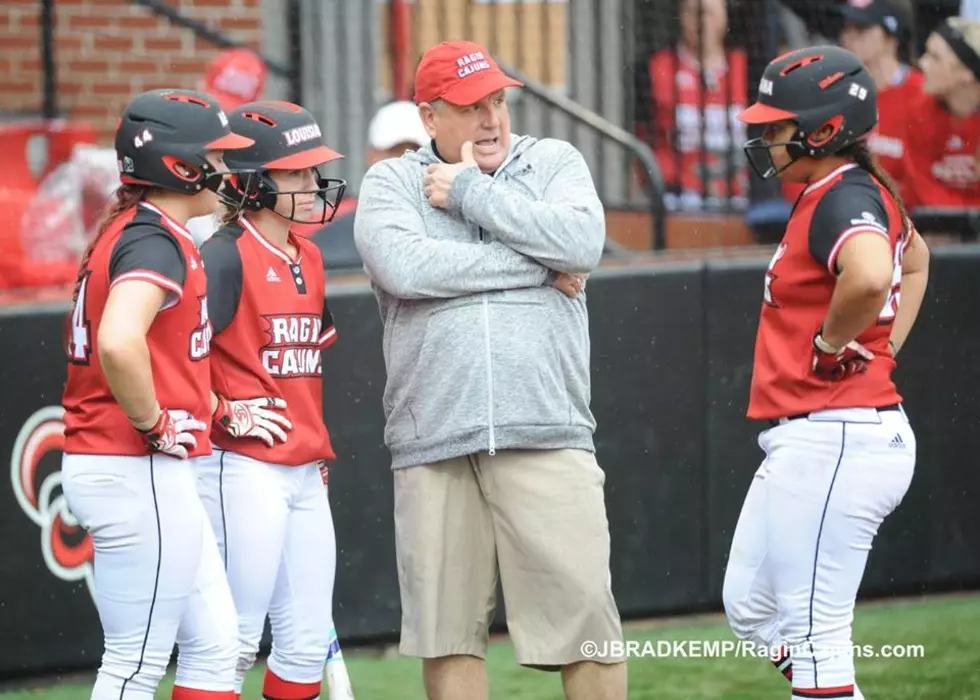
column 528, row 365
column 443, row 386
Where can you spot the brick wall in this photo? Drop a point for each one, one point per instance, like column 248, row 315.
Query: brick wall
column 107, row 51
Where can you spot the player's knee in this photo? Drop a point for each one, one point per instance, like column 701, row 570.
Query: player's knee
column 217, row 657
column 215, row 670
column 741, row 618
column 823, row 631
column 300, row 666
column 732, row 598
column 142, row 673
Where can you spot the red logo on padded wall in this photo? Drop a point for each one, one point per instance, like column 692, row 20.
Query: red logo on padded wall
column 35, row 474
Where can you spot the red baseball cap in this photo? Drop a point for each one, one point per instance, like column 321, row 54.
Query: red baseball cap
column 234, row 77
column 459, row 72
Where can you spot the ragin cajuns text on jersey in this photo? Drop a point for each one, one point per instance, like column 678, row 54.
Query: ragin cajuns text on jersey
column 293, row 349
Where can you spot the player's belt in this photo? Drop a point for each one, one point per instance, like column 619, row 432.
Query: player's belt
column 779, row 421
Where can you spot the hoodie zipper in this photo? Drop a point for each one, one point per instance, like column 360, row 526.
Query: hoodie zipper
column 491, row 432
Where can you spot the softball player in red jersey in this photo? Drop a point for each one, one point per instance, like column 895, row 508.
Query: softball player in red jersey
column 136, row 404
column 840, row 452
column 267, row 499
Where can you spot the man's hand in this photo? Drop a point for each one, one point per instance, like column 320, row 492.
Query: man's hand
column 834, row 364
column 568, row 284
column 171, row 434
column 252, row 418
column 439, row 177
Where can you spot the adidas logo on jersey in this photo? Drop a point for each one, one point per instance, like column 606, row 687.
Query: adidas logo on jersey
column 271, row 276
column 897, row 443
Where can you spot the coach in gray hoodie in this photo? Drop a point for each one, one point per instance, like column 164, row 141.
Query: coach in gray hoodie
column 477, row 246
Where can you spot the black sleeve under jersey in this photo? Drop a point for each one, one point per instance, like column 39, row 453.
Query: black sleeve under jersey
column 151, row 254
column 328, row 332
column 848, row 208
column 223, row 266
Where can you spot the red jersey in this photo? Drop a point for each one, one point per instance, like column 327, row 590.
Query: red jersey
column 798, row 287
column 271, row 321
column 942, row 159
column 888, row 140
column 141, row 244
column 677, row 92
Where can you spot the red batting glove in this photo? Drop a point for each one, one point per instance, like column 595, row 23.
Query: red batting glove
column 324, row 470
column 172, row 433
column 834, row 364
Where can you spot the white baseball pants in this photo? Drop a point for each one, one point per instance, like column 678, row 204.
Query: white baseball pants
column 158, row 577
column 275, row 533
column 804, row 534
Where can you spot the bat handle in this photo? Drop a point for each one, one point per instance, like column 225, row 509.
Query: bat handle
column 338, row 681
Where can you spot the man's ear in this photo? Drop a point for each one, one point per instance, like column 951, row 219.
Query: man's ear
column 429, row 115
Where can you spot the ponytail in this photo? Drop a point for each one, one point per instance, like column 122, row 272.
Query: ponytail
column 125, row 197
column 866, row 160
column 227, row 214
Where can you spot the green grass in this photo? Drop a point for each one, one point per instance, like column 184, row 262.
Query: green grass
column 946, row 630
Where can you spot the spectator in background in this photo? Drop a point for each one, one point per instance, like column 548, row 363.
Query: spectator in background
column 941, row 161
column 234, row 77
column 395, row 128
column 678, row 95
column 873, row 31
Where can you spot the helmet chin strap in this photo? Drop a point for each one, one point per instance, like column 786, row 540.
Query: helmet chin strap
column 212, row 181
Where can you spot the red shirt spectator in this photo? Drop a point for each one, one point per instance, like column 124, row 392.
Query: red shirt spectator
column 942, row 158
column 872, row 31
column 679, row 95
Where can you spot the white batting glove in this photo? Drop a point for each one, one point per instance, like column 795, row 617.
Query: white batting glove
column 172, row 433
column 252, row 418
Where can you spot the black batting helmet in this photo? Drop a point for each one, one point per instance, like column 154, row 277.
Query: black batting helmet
column 816, row 87
column 164, row 136
column 286, row 137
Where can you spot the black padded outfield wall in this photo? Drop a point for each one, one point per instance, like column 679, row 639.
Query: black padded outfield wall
column 671, row 357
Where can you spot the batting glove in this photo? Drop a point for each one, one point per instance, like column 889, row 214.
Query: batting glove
column 324, row 468
column 172, row 433
column 252, row 418
column 834, row 364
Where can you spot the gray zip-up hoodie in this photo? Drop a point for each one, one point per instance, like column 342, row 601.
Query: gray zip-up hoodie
column 481, row 351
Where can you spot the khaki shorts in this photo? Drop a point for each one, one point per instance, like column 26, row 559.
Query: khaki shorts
column 535, row 517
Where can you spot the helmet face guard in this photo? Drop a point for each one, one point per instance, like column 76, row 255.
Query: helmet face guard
column 758, row 152
column 254, row 190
